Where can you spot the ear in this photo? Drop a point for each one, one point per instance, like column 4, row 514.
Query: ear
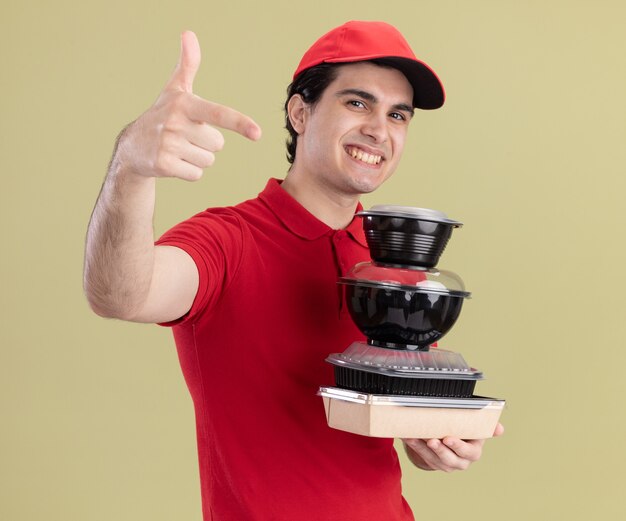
column 298, row 111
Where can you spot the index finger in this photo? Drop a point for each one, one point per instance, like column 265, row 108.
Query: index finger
column 222, row 116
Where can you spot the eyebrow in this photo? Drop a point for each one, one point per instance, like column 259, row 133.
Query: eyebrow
column 368, row 96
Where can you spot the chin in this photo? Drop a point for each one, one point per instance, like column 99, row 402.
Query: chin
column 365, row 185
column 365, row 188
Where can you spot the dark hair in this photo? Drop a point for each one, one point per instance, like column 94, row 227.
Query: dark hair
column 310, row 84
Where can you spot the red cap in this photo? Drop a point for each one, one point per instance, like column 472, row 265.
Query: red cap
column 357, row 41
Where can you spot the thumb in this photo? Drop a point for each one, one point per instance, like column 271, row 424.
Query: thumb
column 188, row 64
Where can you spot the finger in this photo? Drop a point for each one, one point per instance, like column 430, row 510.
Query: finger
column 430, row 451
column 447, row 459
column 418, row 445
column 169, row 165
column 201, row 110
column 187, row 171
column 499, row 430
column 197, row 156
column 188, row 64
column 470, row 450
column 204, row 136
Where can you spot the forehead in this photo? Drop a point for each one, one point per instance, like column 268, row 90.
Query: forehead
column 386, row 83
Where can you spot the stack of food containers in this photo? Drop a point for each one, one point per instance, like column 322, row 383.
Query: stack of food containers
column 395, row 385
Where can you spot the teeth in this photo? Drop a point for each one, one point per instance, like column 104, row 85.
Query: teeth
column 370, row 159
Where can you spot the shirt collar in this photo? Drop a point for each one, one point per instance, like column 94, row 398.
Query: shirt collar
column 299, row 220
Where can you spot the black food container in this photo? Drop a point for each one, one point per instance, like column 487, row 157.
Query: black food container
column 375, row 370
column 406, row 235
column 403, row 308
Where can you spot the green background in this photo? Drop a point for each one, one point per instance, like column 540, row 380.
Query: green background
column 528, row 152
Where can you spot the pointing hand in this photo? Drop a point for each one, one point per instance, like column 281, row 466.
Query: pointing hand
column 178, row 135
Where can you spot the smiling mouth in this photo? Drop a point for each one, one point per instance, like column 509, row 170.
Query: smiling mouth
column 364, row 157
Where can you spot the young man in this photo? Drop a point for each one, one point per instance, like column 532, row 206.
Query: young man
column 250, row 291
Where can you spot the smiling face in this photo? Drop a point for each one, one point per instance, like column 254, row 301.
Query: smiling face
column 352, row 139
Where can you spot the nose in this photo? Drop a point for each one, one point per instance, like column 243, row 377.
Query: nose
column 376, row 127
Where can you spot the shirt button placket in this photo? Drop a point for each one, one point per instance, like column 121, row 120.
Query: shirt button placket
column 340, row 251
column 339, row 247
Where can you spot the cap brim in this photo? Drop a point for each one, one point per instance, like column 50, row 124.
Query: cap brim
column 428, row 92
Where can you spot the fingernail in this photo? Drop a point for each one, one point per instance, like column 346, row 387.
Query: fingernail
column 254, row 133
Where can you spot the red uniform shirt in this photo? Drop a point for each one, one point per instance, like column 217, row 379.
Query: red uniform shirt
column 267, row 313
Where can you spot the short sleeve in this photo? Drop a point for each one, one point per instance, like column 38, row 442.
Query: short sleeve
column 214, row 240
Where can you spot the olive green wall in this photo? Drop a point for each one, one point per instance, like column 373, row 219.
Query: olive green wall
column 529, row 152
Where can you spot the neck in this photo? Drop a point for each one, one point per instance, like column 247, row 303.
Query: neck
column 334, row 209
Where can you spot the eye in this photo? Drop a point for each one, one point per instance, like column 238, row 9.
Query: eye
column 398, row 116
column 356, row 103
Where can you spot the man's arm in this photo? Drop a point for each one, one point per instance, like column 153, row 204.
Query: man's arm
column 448, row 454
column 125, row 275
